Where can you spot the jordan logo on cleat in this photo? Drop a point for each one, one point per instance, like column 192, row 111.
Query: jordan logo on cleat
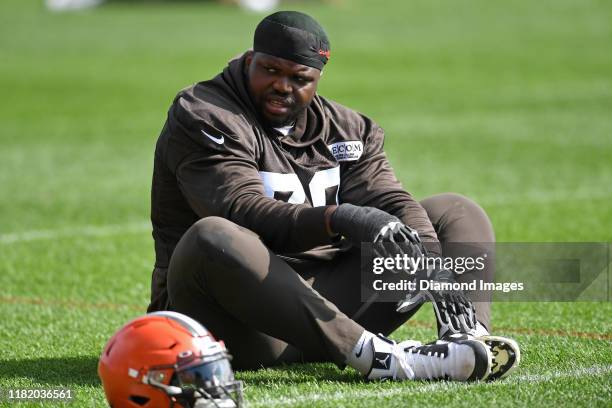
column 382, row 360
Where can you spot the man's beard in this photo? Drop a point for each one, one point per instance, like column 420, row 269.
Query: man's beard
column 276, row 122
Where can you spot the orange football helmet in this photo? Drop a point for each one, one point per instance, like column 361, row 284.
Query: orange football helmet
column 166, row 359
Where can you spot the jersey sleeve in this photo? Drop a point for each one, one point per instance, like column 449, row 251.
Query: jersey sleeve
column 371, row 181
column 216, row 171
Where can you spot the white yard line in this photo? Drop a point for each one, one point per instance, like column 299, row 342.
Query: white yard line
column 75, row 231
column 431, row 387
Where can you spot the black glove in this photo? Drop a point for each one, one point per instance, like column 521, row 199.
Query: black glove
column 369, row 224
column 454, row 311
column 397, row 238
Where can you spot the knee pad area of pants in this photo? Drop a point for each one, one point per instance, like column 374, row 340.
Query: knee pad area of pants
column 214, row 232
column 208, row 248
column 466, row 207
column 458, row 217
column 224, row 243
column 459, row 202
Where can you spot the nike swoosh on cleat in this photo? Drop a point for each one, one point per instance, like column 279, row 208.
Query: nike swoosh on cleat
column 217, row 140
column 358, row 354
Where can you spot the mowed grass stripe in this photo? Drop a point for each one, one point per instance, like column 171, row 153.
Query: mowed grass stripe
column 77, row 304
column 541, row 197
column 76, row 231
column 595, row 370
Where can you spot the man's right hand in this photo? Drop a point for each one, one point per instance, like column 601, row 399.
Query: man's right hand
column 369, row 224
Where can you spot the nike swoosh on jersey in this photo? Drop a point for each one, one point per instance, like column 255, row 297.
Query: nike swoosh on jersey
column 217, row 140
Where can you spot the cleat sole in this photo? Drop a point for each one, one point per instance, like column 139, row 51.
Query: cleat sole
column 506, row 356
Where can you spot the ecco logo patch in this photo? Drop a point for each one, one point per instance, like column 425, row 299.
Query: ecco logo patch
column 346, row 151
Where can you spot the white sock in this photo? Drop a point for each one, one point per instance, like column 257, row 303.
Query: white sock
column 361, row 356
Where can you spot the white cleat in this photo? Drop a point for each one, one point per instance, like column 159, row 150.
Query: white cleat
column 457, row 360
column 505, row 351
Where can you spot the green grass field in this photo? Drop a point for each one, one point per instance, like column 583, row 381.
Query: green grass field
column 508, row 103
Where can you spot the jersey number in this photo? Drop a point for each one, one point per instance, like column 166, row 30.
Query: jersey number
column 290, row 183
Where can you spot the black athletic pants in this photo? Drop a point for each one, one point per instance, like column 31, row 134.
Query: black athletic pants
column 269, row 311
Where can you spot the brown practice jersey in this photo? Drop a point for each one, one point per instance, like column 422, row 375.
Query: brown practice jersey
column 215, row 157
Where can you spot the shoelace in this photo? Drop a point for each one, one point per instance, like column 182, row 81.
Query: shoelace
column 398, row 352
column 430, row 363
column 432, row 366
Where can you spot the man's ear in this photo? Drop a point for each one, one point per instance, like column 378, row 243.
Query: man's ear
column 248, row 59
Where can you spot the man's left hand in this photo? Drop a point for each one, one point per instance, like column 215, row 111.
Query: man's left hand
column 454, row 311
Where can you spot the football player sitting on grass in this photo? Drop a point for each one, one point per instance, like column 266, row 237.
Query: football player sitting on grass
column 263, row 192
